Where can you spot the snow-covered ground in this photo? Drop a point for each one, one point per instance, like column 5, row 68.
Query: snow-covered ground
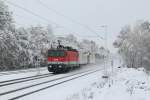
column 37, row 81
column 24, row 73
column 9, row 75
column 123, row 84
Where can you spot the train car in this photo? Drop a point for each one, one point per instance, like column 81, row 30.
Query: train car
column 83, row 58
column 86, row 58
column 62, row 59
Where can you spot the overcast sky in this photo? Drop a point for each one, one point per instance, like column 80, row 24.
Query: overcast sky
column 93, row 13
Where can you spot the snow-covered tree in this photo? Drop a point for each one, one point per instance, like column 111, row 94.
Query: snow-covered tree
column 5, row 17
column 133, row 43
column 9, row 47
column 39, row 40
column 19, row 46
column 24, row 51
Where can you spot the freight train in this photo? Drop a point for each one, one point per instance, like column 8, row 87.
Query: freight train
column 63, row 59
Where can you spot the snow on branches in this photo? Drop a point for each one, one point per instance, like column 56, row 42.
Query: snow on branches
column 133, row 43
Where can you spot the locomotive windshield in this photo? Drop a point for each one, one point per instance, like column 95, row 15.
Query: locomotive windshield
column 56, row 53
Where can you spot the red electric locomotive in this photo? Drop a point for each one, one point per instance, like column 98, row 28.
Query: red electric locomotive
column 62, row 59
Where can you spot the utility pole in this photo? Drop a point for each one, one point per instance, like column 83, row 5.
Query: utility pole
column 105, row 62
column 106, row 75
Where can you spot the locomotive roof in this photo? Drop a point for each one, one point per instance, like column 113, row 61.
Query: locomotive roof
column 64, row 48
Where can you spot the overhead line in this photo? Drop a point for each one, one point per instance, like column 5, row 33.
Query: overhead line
column 20, row 17
column 26, row 18
column 43, row 18
column 72, row 20
column 34, row 14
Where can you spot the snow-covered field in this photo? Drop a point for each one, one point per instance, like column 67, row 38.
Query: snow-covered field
column 126, row 84
column 122, row 84
column 24, row 73
column 8, row 75
column 37, row 81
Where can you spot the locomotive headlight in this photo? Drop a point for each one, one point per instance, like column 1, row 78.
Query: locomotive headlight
column 50, row 66
column 60, row 66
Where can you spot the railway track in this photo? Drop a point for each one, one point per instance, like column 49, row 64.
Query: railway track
column 25, row 79
column 20, row 71
column 33, row 88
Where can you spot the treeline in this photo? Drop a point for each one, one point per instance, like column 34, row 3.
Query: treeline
column 134, row 44
column 19, row 47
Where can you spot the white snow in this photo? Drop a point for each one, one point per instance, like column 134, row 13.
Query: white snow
column 22, row 74
column 122, row 84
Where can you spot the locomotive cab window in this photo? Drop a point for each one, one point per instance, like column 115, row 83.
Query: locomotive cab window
column 56, row 53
